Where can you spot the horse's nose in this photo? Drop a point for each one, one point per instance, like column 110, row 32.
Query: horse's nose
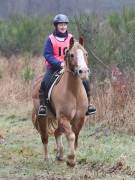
column 83, row 70
column 80, row 71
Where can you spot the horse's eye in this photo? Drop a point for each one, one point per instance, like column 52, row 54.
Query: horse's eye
column 67, row 51
column 86, row 54
column 71, row 55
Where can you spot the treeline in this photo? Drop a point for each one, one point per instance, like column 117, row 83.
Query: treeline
column 20, row 35
column 111, row 38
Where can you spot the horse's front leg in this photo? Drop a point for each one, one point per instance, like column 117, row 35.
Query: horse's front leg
column 71, row 159
column 60, row 149
column 67, row 129
column 43, row 129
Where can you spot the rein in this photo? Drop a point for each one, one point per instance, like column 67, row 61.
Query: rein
column 74, row 69
column 74, row 73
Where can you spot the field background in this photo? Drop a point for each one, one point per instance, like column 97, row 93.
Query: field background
column 107, row 142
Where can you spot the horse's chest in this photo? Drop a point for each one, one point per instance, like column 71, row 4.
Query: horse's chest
column 71, row 104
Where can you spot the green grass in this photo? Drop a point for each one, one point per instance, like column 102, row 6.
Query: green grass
column 98, row 156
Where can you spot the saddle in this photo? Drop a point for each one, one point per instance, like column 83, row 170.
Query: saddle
column 54, row 81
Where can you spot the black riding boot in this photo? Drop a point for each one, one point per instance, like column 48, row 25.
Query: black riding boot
column 91, row 108
column 43, row 93
column 43, row 104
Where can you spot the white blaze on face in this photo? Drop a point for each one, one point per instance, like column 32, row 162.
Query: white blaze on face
column 80, row 58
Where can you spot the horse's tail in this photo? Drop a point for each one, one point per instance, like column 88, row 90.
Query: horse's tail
column 52, row 126
column 52, row 123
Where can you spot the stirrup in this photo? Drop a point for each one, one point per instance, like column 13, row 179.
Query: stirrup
column 91, row 110
column 42, row 112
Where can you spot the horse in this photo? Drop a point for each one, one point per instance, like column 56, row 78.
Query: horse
column 68, row 100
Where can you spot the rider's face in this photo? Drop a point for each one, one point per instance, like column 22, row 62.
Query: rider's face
column 62, row 27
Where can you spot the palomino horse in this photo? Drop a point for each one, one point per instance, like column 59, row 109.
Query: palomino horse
column 69, row 101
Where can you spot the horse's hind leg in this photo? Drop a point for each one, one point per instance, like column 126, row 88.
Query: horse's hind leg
column 43, row 129
column 76, row 129
column 60, row 149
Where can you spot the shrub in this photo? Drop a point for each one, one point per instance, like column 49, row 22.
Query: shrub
column 111, row 38
column 23, row 34
column 27, row 72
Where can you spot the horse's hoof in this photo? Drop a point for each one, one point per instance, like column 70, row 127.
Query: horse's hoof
column 71, row 163
column 2, row 141
column 46, row 158
column 58, row 158
column 71, row 160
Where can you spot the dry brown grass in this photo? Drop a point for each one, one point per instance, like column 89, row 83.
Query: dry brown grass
column 113, row 108
column 16, row 92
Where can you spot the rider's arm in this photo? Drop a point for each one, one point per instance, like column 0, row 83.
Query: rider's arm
column 48, row 54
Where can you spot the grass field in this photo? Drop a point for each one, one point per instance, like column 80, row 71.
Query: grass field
column 106, row 146
column 102, row 153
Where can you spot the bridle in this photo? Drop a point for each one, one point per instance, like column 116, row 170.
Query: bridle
column 74, row 71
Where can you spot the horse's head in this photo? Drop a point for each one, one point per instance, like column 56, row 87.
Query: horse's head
column 77, row 59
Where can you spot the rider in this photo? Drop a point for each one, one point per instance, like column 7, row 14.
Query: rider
column 54, row 49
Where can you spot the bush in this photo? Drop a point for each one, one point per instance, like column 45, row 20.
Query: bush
column 23, row 34
column 27, row 72
column 112, row 38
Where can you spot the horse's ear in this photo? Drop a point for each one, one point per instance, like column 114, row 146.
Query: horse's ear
column 81, row 40
column 66, row 53
column 71, row 43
